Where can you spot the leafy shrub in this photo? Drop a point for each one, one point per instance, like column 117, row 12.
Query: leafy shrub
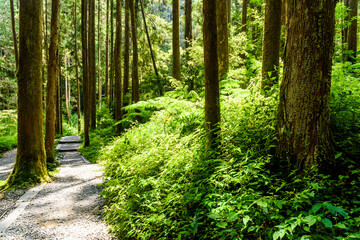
column 8, row 130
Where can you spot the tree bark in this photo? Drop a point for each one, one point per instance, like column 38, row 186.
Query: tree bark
column 346, row 29
column 222, row 37
column 14, row 34
column 77, row 72
column 99, row 55
column 111, row 92
column 117, row 56
column 92, row 64
column 126, row 51
column 176, row 40
column 107, row 53
column 51, row 83
column 304, row 109
column 271, row 44
column 84, row 43
column 212, row 95
column 188, row 38
column 30, row 162
column 244, row 15
column 135, row 75
column 352, row 35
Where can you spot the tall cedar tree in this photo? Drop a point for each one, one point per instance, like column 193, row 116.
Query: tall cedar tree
column 176, row 40
column 99, row 55
column 84, row 43
column 244, row 15
column 107, row 53
column 14, row 34
column 51, row 83
column 346, row 29
column 111, row 80
column 126, row 51
column 304, row 109
column 92, row 64
column 117, row 56
column 212, row 94
column 271, row 44
column 30, row 165
column 77, row 71
column 188, row 36
column 352, row 35
column 223, row 37
column 135, row 75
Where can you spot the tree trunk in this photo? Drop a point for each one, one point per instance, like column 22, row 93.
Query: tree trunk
column 117, row 55
column 188, row 38
column 60, row 117
column 14, row 34
column 212, row 95
column 30, row 165
column 176, row 40
column 304, row 109
column 271, row 44
column 77, row 73
column 352, row 35
column 222, row 37
column 229, row 11
column 283, row 12
column 126, row 51
column 111, row 52
column 346, row 29
column 107, row 54
column 51, row 83
column 244, row 15
column 99, row 55
column 84, row 43
column 135, row 75
column 92, row 64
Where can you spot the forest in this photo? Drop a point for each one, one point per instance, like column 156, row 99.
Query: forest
column 212, row 119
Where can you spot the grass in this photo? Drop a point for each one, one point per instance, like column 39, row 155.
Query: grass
column 8, row 130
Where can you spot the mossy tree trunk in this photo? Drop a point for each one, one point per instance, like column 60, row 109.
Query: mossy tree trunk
column 84, row 43
column 13, row 27
column 92, row 64
column 304, row 109
column 176, row 40
column 223, row 37
column 271, row 44
column 117, row 56
column 352, row 35
column 135, row 74
column 244, row 15
column 51, row 83
column 212, row 95
column 126, row 51
column 30, row 162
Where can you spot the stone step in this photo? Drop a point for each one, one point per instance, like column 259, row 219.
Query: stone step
column 68, row 147
column 70, row 139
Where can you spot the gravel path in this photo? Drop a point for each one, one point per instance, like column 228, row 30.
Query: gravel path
column 68, row 208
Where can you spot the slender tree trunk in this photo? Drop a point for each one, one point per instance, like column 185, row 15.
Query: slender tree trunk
column 13, row 26
column 222, row 37
column 135, row 76
column 51, row 83
column 188, row 37
column 352, row 35
column 212, row 93
column 60, row 98
column 107, row 54
column 86, row 95
column 99, row 55
column 77, row 72
column 118, row 90
column 176, row 40
column 271, row 44
column 346, row 29
column 244, row 15
column 126, row 51
column 304, row 109
column 92, row 63
column 30, row 165
column 111, row 92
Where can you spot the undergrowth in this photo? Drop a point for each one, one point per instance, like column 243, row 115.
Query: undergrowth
column 8, row 130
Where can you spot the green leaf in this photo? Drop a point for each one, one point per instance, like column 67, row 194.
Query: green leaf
column 338, row 155
column 222, row 225
column 340, row 225
column 332, row 209
column 327, row 222
column 276, row 235
column 214, row 216
column 246, row 219
column 233, row 216
column 311, row 220
column 316, row 207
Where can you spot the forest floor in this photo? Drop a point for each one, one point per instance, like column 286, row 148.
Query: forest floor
column 69, row 208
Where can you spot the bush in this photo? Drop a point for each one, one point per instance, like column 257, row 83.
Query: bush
column 8, row 130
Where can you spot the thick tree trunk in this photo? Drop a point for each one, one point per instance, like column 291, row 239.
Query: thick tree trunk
column 77, row 72
column 176, row 40
column 212, row 95
column 51, row 83
column 135, row 75
column 283, row 12
column 126, row 51
column 244, row 15
column 13, row 27
column 99, row 55
column 117, row 56
column 271, row 44
column 352, row 35
column 304, row 109
column 92, row 64
column 30, row 162
column 222, row 37
column 84, row 43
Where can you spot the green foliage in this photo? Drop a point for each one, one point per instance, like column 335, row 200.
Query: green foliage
column 8, row 130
